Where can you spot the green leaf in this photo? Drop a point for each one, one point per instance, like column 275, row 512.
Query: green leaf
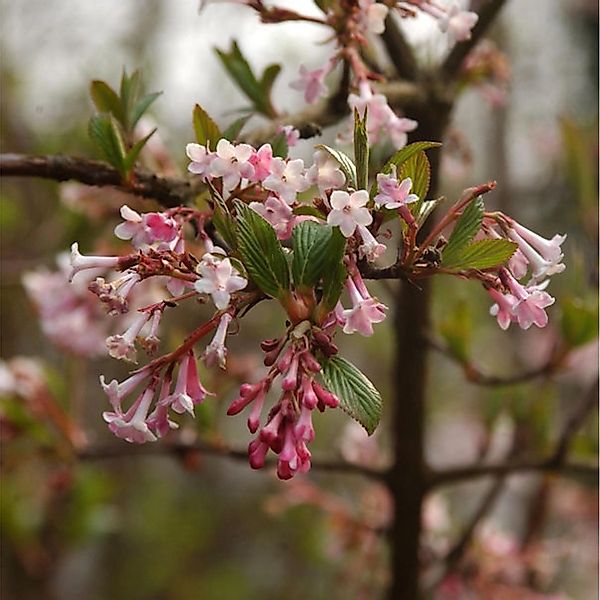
column 238, row 67
column 106, row 100
column 418, row 169
column 104, row 130
column 307, row 209
column 358, row 396
column 206, row 130
column 427, row 207
column 318, row 248
column 261, row 252
column 483, row 254
column 579, row 321
column 233, row 131
column 280, row 145
column 464, row 231
column 129, row 93
column 268, row 79
column 345, row 162
column 333, row 286
column 223, row 220
column 135, row 150
column 361, row 150
column 141, row 106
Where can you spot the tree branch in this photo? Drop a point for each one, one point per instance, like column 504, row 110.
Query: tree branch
column 454, row 60
column 555, row 463
column 168, row 191
column 399, row 50
column 181, row 449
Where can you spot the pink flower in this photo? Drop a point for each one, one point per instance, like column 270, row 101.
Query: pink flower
column 292, row 135
column 147, row 229
column 530, row 301
column 393, row 194
column 216, row 352
column 115, row 294
column 131, row 426
column 348, row 211
column 373, row 16
column 287, row 179
column 278, row 214
column 219, row 279
column 518, row 264
column 398, row 128
column 458, row 23
column 79, row 262
column 188, row 389
column 122, row 347
column 232, row 163
column 370, row 249
column 116, row 391
column 364, row 312
column 261, row 161
column 202, row 160
column 312, row 83
column 503, row 308
column 325, row 172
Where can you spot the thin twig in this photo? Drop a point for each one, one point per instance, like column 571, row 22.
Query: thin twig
column 181, row 448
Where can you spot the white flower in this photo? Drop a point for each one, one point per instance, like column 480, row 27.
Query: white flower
column 325, row 172
column 458, row 24
column 201, row 160
column 348, row 211
column 219, row 279
column 287, row 179
column 232, row 163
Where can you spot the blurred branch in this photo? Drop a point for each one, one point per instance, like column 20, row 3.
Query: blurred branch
column 181, row 449
column 399, row 50
column 453, row 62
column 557, row 462
column 168, row 191
column 478, row 377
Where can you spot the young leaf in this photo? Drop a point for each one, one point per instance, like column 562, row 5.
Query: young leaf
column 418, row 169
column 207, row 131
column 222, row 219
column 233, row 131
column 317, row 250
column 333, row 285
column 345, row 162
column 262, row 253
column 241, row 72
column 104, row 130
column 361, row 150
column 141, row 106
column 427, row 207
column 129, row 93
column 135, row 150
column 483, row 254
column 464, row 231
column 358, row 396
column 106, row 100
column 268, row 79
column 279, row 145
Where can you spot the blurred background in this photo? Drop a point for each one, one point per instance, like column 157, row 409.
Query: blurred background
column 185, row 526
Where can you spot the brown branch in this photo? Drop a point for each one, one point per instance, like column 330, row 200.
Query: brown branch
column 454, row 60
column 399, row 50
column 181, row 449
column 475, row 375
column 555, row 463
column 168, row 191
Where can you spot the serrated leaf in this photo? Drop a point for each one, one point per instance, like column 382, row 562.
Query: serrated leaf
column 222, row 219
column 483, row 254
column 206, row 130
column 261, row 252
column 238, row 67
column 141, row 106
column 279, row 145
column 464, row 231
column 579, row 321
column 135, row 150
column 358, row 396
column 418, row 169
column 317, row 249
column 104, row 130
column 106, row 99
column 345, row 162
column 361, row 150
column 401, row 156
column 427, row 207
column 233, row 131
column 333, row 286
